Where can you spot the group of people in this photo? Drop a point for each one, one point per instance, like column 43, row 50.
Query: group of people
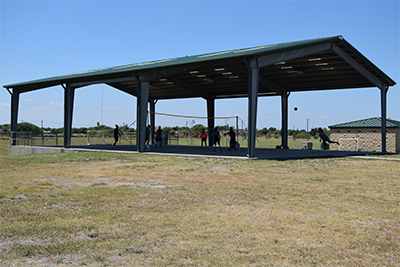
column 203, row 135
column 216, row 135
column 117, row 134
column 216, row 138
column 158, row 136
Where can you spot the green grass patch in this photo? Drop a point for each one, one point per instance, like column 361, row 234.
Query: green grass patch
column 104, row 209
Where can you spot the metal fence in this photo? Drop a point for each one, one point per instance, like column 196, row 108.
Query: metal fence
column 35, row 139
column 21, row 138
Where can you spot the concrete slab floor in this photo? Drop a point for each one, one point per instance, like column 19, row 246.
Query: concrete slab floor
column 241, row 153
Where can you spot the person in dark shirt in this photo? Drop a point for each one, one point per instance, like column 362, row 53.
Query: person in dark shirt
column 116, row 134
column 324, row 138
column 232, row 142
column 147, row 135
column 216, row 137
column 158, row 136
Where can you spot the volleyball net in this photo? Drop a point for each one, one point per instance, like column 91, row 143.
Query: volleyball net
column 195, row 124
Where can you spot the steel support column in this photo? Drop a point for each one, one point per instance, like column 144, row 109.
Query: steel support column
column 384, row 90
column 14, row 115
column 142, row 102
column 152, row 120
column 69, row 93
column 254, row 73
column 210, row 119
column 284, row 100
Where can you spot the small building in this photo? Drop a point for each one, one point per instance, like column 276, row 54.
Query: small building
column 366, row 135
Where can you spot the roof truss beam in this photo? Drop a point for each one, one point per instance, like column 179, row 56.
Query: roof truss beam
column 152, row 76
column 189, row 87
column 268, row 60
column 271, row 86
column 124, row 88
column 357, row 66
column 117, row 80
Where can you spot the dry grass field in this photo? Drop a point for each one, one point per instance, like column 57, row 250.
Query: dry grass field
column 103, row 209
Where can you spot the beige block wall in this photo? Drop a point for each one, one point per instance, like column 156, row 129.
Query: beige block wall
column 369, row 139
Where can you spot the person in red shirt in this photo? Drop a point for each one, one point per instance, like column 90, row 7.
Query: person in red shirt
column 203, row 137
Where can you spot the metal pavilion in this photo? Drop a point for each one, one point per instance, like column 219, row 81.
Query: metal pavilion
column 270, row 70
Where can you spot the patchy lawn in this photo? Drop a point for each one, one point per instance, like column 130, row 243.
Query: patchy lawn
column 102, row 209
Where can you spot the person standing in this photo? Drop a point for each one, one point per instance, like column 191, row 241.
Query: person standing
column 158, row 136
column 147, row 135
column 216, row 137
column 116, row 134
column 203, row 136
column 232, row 142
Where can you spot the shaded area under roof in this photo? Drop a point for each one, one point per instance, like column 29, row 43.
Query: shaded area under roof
column 375, row 122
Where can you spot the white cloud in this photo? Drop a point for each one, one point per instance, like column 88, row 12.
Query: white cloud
column 28, row 100
column 6, row 104
column 51, row 108
column 56, row 104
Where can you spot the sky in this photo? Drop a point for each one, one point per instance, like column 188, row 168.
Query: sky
column 41, row 39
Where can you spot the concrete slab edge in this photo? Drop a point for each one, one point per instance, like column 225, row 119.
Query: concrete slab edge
column 380, row 158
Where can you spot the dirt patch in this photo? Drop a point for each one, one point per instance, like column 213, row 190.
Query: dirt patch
column 19, row 241
column 53, row 261
column 97, row 182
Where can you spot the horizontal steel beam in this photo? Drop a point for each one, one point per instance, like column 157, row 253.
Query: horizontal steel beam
column 117, row 80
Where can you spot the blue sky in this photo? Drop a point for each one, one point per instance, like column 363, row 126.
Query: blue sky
column 42, row 39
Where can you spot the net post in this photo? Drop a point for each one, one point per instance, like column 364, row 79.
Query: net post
column 237, row 129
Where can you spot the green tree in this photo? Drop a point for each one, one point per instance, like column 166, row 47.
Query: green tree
column 28, row 127
column 271, row 130
column 6, row 127
column 263, row 132
column 198, row 128
column 124, row 127
column 302, row 134
column 82, row 130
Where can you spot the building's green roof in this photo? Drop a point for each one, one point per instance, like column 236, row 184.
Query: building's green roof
column 375, row 122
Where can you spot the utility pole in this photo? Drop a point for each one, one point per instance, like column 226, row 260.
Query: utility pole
column 101, row 111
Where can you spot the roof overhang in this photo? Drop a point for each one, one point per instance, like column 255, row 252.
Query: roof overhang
column 317, row 64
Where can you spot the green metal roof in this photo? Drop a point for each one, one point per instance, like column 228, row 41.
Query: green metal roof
column 375, row 122
column 187, row 60
column 174, row 78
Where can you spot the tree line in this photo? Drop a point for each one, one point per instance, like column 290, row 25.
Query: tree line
column 270, row 132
